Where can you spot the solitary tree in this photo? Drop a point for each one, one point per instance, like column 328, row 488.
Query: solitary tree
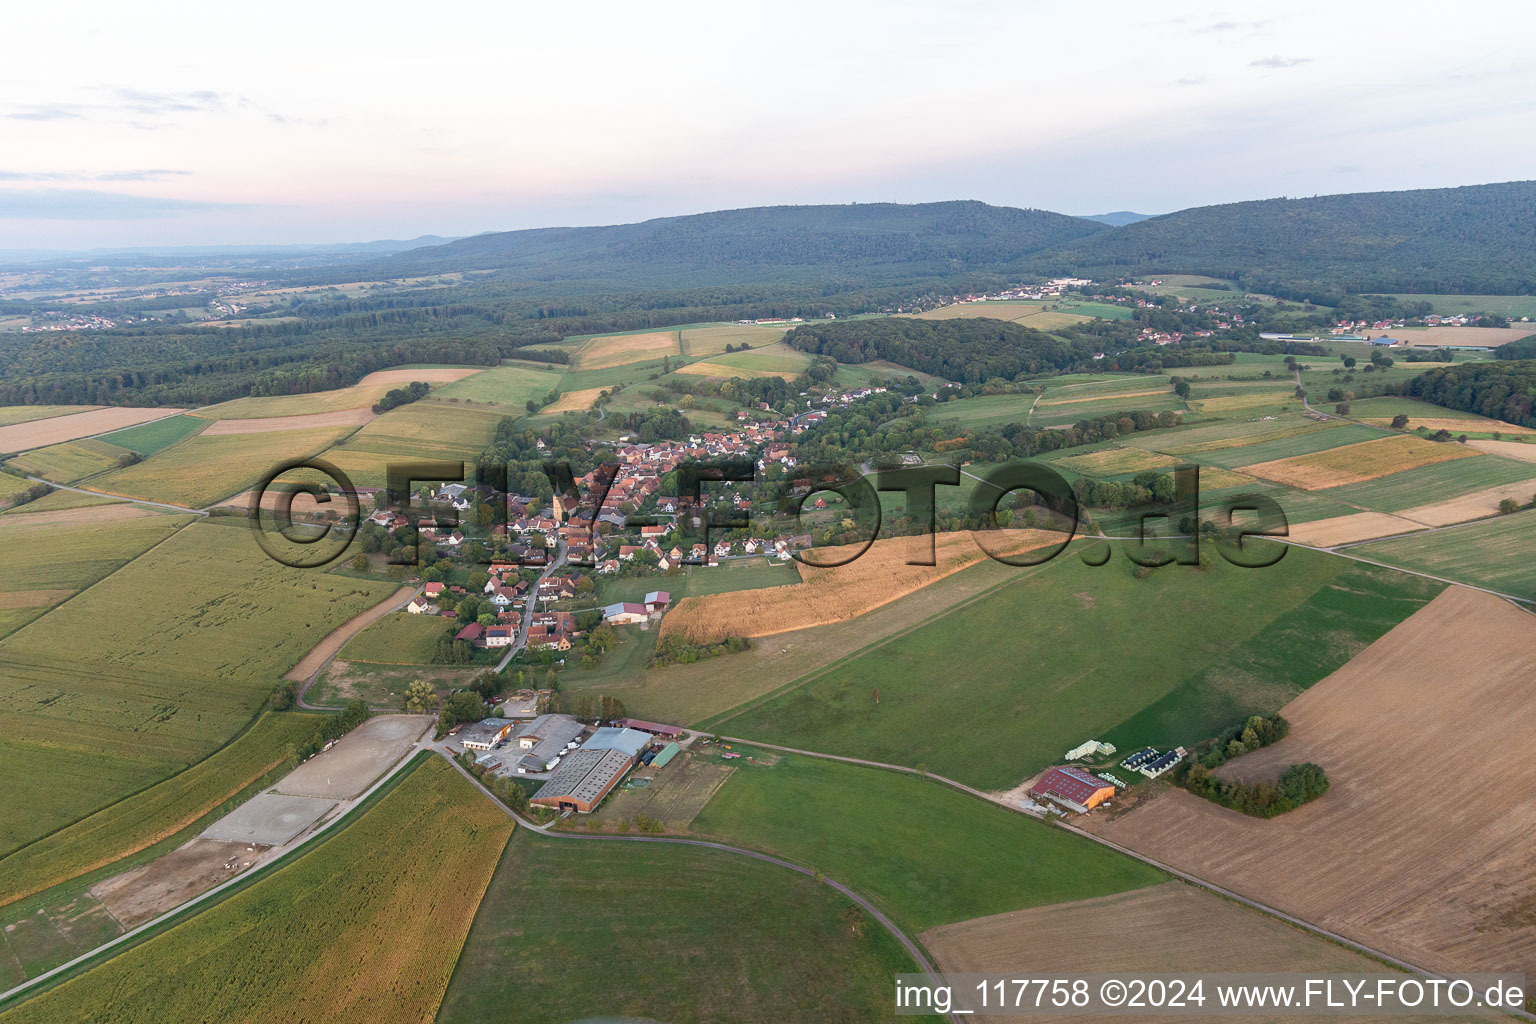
column 418, row 695
column 1399, row 421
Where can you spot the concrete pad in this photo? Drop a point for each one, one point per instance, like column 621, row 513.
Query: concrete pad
column 269, row 819
column 357, row 759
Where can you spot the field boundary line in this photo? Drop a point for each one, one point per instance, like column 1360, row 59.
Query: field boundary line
column 909, row 943
column 303, row 845
column 119, row 497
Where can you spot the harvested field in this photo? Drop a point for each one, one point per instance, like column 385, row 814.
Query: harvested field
column 713, row 368
column 1353, row 463
column 425, row 374
column 358, row 758
column 1046, row 402
column 825, row 595
column 326, row 649
column 1237, row 403
column 1214, row 478
column 269, row 819
column 267, row 424
column 574, row 401
column 1513, row 449
column 1470, row 506
column 1392, row 856
column 1197, row 931
column 1457, row 426
column 1112, row 461
column 32, row 598
column 13, row 414
column 1472, row 337
column 271, row 407
column 1325, row 533
column 610, row 350
column 167, row 882
column 20, row 437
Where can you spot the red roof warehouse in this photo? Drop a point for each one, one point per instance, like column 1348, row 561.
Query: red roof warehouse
column 1073, row 787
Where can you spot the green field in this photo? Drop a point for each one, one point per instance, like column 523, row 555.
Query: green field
column 1436, row 482
column 1286, row 447
column 427, row 430
column 399, row 639
column 295, row 405
column 353, row 935
column 149, row 438
column 601, row 931
column 1499, row 554
column 204, row 469
column 709, row 341
column 146, row 818
column 59, row 500
column 616, row 376
column 996, row 689
column 982, row 411
column 214, row 624
column 507, row 385
column 65, row 463
column 738, row 574
column 973, row 858
column 1515, row 306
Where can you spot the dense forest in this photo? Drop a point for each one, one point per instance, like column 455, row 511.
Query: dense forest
column 1476, row 239
column 1502, row 389
column 971, row 351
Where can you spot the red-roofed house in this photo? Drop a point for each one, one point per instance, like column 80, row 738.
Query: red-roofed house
column 1073, row 788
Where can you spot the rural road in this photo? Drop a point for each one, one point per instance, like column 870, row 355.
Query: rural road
column 918, row 954
column 1126, row 851
column 322, row 654
column 119, row 497
column 529, row 607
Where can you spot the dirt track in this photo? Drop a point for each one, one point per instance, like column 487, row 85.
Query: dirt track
column 39, row 433
column 1422, row 848
column 167, row 882
column 269, row 424
column 326, row 649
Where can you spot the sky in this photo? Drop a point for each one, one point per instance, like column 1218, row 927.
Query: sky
column 170, row 124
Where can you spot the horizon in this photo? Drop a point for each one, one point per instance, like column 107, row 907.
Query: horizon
column 372, row 131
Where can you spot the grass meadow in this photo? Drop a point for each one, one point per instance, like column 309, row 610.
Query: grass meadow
column 65, row 463
column 507, row 385
column 603, row 930
column 974, row 859
column 353, row 935
column 997, row 689
column 399, row 638
column 1499, row 554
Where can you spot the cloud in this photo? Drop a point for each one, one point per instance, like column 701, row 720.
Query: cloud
column 47, row 112
column 1279, row 62
column 148, row 174
column 90, row 204
column 1189, row 81
column 1235, row 26
column 153, row 104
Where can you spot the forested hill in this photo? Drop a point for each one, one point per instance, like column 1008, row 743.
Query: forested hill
column 971, row 351
column 878, row 243
column 1479, row 239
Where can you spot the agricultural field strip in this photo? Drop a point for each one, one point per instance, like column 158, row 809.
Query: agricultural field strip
column 916, row 951
column 1195, row 880
column 341, row 814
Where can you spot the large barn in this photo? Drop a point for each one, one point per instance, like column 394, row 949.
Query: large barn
column 1072, row 788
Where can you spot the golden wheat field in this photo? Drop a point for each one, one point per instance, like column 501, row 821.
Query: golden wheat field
column 1352, row 463
column 610, row 350
column 878, row 577
column 574, row 401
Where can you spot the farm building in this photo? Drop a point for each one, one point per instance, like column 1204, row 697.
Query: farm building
column 485, row 734
column 624, row 613
column 1073, row 788
column 668, row 752
column 543, row 740
column 628, row 741
column 671, row 732
column 582, row 780
column 657, row 601
column 1093, row 748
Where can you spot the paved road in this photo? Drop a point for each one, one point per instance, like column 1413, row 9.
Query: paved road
column 118, row 497
column 529, row 606
column 918, row 954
